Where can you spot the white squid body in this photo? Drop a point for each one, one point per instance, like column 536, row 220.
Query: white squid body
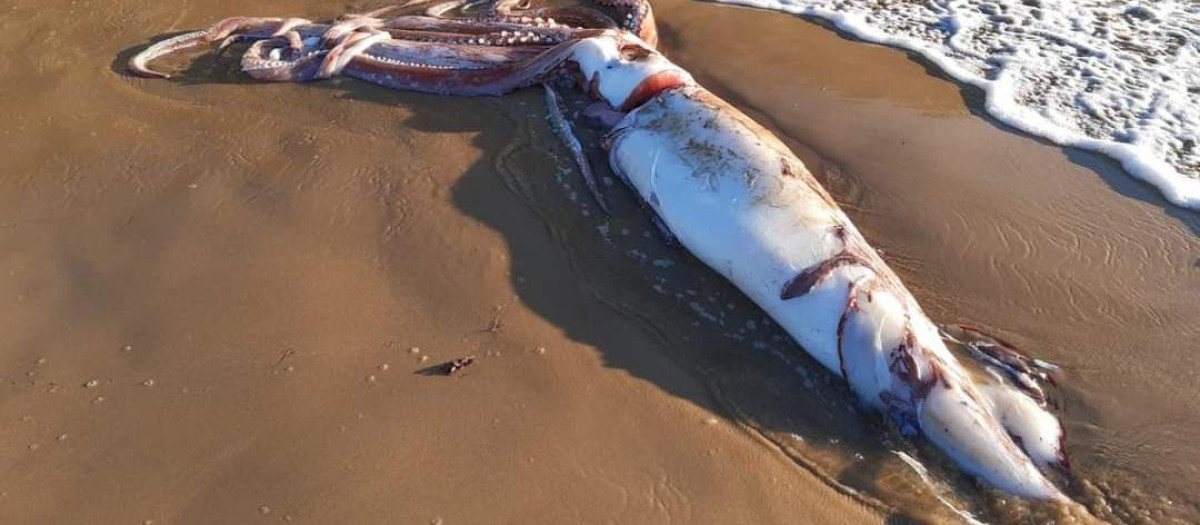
column 740, row 201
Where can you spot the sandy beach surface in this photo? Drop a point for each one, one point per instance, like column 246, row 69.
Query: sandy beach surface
column 221, row 301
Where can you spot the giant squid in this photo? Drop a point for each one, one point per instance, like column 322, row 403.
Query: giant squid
column 721, row 185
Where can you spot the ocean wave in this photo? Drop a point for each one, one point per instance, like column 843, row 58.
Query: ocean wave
column 1116, row 77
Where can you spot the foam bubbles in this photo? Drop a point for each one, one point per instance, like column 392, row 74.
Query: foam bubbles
column 1116, row 77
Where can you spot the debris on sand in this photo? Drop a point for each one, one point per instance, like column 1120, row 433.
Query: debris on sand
column 452, row 367
column 447, row 368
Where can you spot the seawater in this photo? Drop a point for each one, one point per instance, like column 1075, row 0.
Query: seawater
column 1116, row 77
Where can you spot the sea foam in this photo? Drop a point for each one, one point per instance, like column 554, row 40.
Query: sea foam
column 1119, row 78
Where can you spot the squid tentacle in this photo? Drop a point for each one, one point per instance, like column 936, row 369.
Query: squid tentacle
column 578, row 17
column 241, row 26
column 350, row 47
column 563, row 129
column 339, row 32
column 514, row 70
column 470, row 28
column 289, row 25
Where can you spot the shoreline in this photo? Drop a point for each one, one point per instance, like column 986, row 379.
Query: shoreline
column 999, row 104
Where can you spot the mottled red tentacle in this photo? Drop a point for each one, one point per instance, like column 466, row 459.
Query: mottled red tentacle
column 513, row 70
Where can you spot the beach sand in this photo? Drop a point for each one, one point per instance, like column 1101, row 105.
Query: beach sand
column 221, row 300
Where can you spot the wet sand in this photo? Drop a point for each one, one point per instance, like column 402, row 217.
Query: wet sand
column 241, row 272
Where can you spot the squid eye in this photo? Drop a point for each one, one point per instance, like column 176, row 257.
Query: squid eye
column 633, row 52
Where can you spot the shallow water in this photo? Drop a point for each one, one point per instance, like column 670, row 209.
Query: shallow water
column 122, row 194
